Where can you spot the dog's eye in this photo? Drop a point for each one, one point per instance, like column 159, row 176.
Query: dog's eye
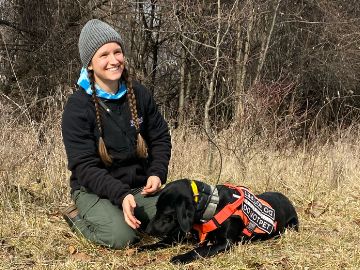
column 168, row 218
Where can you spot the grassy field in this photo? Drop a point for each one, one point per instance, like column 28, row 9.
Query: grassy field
column 322, row 179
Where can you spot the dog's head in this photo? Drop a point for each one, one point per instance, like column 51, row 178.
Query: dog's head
column 175, row 210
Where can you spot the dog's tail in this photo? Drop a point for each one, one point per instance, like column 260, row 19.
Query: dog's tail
column 293, row 223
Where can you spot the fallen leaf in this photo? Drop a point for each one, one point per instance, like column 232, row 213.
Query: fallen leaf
column 80, row 256
column 285, row 263
column 72, row 250
column 67, row 234
column 130, row 251
column 315, row 209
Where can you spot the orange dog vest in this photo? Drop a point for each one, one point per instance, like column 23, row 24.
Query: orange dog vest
column 257, row 215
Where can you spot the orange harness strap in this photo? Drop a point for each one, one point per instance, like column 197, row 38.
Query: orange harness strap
column 229, row 210
column 220, row 217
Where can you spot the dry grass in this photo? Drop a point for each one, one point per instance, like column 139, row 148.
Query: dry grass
column 322, row 180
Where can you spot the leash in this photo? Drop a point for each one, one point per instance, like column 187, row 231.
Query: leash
column 221, row 160
column 212, row 192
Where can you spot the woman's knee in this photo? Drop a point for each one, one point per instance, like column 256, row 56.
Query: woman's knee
column 112, row 235
column 104, row 222
column 112, row 230
column 118, row 237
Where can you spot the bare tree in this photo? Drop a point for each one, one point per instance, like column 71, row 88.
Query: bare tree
column 211, row 63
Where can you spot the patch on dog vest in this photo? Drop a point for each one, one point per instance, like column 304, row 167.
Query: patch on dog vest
column 261, row 215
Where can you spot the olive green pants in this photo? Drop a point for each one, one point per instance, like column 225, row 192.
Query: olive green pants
column 103, row 223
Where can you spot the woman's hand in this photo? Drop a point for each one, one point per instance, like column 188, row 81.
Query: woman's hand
column 153, row 184
column 128, row 206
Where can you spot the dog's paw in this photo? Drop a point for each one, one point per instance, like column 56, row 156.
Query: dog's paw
column 185, row 258
column 180, row 259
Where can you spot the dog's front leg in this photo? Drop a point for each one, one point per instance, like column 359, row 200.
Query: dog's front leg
column 202, row 252
column 166, row 242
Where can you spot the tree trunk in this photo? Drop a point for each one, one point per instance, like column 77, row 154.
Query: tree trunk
column 265, row 44
column 211, row 89
column 242, row 67
column 182, row 88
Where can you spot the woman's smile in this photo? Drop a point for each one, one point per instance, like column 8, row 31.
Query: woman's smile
column 108, row 66
column 113, row 68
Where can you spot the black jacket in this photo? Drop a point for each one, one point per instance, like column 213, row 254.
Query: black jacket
column 81, row 136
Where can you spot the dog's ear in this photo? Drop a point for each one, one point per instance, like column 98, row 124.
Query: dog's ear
column 185, row 212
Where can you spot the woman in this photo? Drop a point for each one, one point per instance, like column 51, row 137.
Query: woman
column 117, row 144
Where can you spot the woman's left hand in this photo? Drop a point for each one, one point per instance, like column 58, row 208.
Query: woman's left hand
column 128, row 206
column 153, row 184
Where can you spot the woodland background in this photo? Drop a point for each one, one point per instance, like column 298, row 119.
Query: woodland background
column 263, row 93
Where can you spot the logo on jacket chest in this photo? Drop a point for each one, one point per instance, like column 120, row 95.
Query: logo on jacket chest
column 140, row 120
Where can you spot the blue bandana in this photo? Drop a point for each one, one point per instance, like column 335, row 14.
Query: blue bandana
column 84, row 82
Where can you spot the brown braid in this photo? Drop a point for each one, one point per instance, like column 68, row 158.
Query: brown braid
column 141, row 148
column 104, row 155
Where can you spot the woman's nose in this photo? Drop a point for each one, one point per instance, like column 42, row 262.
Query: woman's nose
column 113, row 59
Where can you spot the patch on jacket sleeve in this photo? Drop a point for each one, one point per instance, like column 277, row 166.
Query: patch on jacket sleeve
column 260, row 214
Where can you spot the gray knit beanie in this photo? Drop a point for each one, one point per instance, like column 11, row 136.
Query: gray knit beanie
column 94, row 34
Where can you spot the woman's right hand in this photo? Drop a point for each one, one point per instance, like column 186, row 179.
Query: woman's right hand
column 128, row 206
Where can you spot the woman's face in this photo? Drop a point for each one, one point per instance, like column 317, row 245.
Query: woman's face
column 108, row 65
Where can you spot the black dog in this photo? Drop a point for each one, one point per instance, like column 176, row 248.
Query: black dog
column 184, row 205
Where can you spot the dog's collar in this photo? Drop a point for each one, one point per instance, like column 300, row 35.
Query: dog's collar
column 195, row 191
column 206, row 200
column 211, row 205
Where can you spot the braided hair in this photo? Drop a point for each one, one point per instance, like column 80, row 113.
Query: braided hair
column 141, row 148
column 104, row 155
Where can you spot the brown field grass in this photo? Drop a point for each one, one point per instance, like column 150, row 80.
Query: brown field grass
column 322, row 179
